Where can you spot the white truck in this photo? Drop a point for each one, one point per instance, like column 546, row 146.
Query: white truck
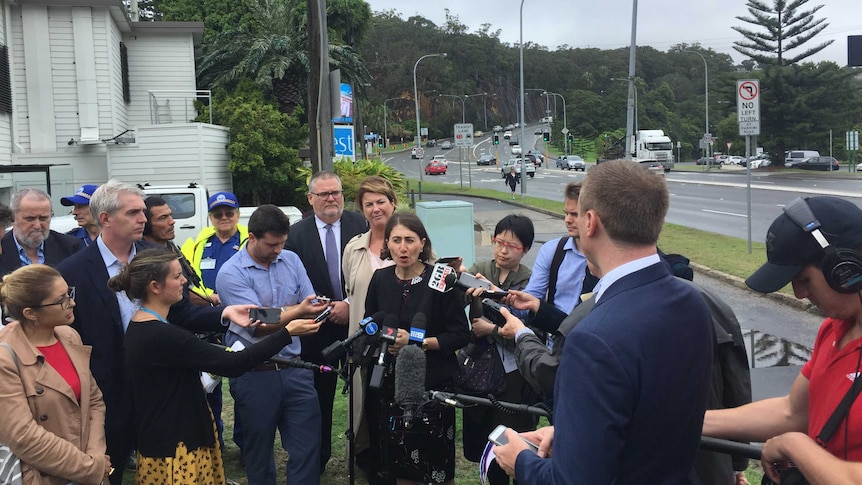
column 654, row 145
column 189, row 206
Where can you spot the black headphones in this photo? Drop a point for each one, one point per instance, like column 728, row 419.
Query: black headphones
column 842, row 267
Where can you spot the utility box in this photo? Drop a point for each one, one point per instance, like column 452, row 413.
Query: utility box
column 450, row 226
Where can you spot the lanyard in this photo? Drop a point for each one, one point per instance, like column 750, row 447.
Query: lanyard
column 161, row 319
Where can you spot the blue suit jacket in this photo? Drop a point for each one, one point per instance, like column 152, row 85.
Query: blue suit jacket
column 97, row 319
column 631, row 389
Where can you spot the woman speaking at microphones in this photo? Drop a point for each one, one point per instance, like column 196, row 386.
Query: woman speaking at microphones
column 421, row 449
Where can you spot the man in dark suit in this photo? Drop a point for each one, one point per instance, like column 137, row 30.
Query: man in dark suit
column 627, row 408
column 102, row 316
column 319, row 241
column 31, row 240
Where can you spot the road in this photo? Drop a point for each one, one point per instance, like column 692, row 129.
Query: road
column 714, row 201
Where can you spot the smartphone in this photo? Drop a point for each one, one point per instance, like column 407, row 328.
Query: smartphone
column 325, row 313
column 265, row 315
column 491, row 311
column 498, row 437
column 473, row 282
column 448, row 260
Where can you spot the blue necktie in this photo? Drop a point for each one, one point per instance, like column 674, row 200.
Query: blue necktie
column 332, row 263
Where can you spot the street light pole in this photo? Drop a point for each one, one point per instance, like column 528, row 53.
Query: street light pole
column 705, row 97
column 417, row 139
column 521, row 72
column 459, row 98
column 630, row 105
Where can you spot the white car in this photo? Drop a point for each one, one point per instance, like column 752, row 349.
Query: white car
column 441, row 159
column 516, row 150
column 507, row 134
column 735, row 160
column 859, row 167
column 516, row 162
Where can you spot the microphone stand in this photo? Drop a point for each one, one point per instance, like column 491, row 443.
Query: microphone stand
column 706, row 442
column 348, row 390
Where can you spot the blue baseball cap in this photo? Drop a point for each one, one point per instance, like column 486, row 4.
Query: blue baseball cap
column 222, row 198
column 82, row 196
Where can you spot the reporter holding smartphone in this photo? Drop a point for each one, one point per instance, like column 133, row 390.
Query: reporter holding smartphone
column 513, row 237
column 175, row 430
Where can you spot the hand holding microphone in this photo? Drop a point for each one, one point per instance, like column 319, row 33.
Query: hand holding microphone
column 444, row 278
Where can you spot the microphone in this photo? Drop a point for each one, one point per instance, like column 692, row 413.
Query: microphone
column 296, row 362
column 410, row 381
column 368, row 326
column 301, row 364
column 443, row 279
column 387, row 335
column 417, row 329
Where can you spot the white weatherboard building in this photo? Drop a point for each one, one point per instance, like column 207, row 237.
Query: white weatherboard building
column 87, row 95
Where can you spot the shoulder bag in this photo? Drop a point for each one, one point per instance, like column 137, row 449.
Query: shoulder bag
column 10, row 465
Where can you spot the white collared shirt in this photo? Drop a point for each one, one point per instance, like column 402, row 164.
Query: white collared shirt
column 128, row 307
column 623, row 270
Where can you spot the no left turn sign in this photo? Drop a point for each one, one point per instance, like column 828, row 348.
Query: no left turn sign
column 748, row 90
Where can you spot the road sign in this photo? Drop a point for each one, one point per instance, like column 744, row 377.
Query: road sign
column 344, row 145
column 852, row 140
column 564, row 131
column 748, row 106
column 463, row 134
column 707, row 138
column 729, row 144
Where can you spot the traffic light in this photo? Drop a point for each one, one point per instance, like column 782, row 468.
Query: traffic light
column 546, row 136
column 496, row 139
column 379, row 142
column 571, row 138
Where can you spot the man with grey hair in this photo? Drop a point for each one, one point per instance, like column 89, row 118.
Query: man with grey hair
column 101, row 316
column 31, row 240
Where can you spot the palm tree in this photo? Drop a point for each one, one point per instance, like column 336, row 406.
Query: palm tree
column 273, row 52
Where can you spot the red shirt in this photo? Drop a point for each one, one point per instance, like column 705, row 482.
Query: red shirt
column 56, row 357
column 830, row 373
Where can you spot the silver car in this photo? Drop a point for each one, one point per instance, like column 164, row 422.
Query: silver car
column 571, row 162
column 516, row 162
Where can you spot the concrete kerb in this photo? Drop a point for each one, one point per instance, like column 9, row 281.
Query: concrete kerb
column 736, row 281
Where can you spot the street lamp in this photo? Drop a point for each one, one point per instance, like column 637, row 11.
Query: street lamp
column 631, row 83
column 484, row 109
column 418, row 136
column 521, row 75
column 633, row 93
column 459, row 98
column 706, row 98
column 565, row 126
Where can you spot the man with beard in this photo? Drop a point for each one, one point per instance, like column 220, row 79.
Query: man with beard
column 31, row 241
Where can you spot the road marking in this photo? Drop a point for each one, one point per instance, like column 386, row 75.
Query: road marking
column 778, row 188
column 724, row 213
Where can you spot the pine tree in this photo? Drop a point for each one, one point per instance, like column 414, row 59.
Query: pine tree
column 786, row 28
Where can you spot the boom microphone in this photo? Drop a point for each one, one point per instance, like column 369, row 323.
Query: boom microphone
column 368, row 326
column 444, row 279
column 410, row 381
column 296, row 362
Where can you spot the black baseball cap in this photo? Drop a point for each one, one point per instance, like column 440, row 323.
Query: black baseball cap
column 789, row 248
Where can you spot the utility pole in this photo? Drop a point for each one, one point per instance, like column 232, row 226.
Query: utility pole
column 320, row 137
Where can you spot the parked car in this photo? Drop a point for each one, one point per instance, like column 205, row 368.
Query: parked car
column 417, row 153
column 486, row 159
column 703, row 161
column 859, row 167
column 819, row 163
column 507, row 134
column 441, row 159
column 516, row 150
column 435, row 167
column 571, row 162
column 431, row 143
column 735, row 160
column 516, row 162
column 446, row 145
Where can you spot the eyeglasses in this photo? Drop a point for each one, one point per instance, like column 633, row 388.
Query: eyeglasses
column 218, row 214
column 65, row 302
column 503, row 244
column 325, row 195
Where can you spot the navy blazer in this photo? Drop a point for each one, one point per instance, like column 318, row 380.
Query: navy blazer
column 57, row 248
column 304, row 240
column 98, row 321
column 632, row 387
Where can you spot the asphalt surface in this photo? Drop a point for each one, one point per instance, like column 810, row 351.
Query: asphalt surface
column 769, row 322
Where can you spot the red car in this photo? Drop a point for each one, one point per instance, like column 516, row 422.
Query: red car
column 435, row 167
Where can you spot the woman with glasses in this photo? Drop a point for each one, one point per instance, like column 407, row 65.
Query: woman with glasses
column 175, row 431
column 377, row 200
column 513, row 237
column 53, row 415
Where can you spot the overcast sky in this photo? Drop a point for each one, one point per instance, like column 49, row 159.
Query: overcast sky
column 606, row 24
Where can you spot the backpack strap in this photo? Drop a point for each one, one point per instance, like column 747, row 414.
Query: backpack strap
column 559, row 254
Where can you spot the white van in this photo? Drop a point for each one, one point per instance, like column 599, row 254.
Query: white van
column 793, row 157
